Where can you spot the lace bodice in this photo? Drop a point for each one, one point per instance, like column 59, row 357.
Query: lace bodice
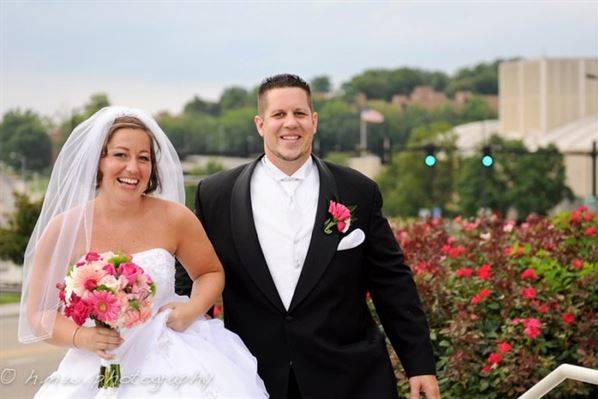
column 159, row 264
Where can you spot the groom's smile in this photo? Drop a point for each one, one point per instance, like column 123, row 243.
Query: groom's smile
column 287, row 125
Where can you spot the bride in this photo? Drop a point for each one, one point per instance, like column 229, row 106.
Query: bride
column 117, row 185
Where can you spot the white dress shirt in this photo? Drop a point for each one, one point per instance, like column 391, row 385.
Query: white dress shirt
column 284, row 212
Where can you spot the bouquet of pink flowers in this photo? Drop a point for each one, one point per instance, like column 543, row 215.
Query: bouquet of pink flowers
column 111, row 290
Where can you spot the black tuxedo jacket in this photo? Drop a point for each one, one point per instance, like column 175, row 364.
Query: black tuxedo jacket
column 327, row 336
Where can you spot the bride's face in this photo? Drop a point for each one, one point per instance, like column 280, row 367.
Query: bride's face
column 126, row 168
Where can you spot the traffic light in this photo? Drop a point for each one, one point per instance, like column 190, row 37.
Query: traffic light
column 430, row 159
column 487, row 159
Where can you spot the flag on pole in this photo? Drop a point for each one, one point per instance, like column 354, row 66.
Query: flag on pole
column 372, row 116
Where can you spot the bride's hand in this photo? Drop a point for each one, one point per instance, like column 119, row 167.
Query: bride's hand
column 98, row 340
column 181, row 316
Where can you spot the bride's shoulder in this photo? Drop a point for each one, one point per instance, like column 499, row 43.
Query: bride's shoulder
column 75, row 219
column 170, row 210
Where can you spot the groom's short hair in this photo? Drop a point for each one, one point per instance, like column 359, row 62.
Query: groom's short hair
column 278, row 82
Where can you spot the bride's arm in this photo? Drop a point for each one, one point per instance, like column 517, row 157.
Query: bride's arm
column 94, row 339
column 197, row 255
column 41, row 314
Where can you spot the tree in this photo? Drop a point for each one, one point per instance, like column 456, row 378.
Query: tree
column 408, row 185
column 233, row 98
column 338, row 127
column 529, row 182
column 384, row 83
column 96, row 102
column 198, row 105
column 23, row 138
column 15, row 236
column 480, row 187
column 538, row 181
column 190, row 133
column 237, row 134
column 476, row 109
column 480, row 79
column 320, row 84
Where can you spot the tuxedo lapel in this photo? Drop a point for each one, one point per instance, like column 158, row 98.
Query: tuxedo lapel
column 322, row 247
column 246, row 239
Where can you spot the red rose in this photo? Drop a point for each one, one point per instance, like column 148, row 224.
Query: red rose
column 456, row 252
column 577, row 263
column 542, row 308
column 483, row 272
column 568, row 318
column 528, row 293
column 494, row 358
column 591, row 231
column 529, row 274
column 80, row 312
column 588, row 216
column 464, row 272
column 575, row 217
column 504, row 347
column 532, row 327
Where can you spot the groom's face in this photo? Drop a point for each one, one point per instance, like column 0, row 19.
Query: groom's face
column 287, row 125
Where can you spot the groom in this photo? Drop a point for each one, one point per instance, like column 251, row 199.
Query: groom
column 296, row 291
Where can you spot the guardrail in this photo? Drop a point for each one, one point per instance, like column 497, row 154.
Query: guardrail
column 559, row 375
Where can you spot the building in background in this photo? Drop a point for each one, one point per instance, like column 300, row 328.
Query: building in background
column 537, row 96
column 546, row 101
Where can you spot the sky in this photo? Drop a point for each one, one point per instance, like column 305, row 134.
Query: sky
column 157, row 55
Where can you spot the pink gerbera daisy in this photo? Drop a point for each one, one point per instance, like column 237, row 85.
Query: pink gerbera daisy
column 105, row 305
column 86, row 279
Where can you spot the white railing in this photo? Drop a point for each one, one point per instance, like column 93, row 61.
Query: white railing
column 559, row 375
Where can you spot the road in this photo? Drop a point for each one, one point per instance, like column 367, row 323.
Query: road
column 23, row 367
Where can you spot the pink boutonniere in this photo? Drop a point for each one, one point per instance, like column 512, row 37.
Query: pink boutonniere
column 341, row 216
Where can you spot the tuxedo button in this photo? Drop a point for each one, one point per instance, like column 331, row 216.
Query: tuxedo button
column 288, row 318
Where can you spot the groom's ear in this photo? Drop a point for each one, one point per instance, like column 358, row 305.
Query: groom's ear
column 259, row 124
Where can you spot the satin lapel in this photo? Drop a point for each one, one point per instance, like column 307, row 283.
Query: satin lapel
column 322, row 247
column 246, row 239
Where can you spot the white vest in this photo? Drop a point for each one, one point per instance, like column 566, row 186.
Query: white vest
column 284, row 211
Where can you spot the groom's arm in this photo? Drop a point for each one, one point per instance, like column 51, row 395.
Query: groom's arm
column 395, row 296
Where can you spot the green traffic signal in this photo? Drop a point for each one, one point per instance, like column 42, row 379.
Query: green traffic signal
column 487, row 159
column 430, row 160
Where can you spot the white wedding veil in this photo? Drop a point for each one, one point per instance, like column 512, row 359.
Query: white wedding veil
column 62, row 233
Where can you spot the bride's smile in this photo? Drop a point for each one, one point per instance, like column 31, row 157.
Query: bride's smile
column 126, row 165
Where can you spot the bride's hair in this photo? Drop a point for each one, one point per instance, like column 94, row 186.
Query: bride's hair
column 131, row 122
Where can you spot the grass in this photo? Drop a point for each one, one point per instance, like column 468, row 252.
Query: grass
column 9, row 298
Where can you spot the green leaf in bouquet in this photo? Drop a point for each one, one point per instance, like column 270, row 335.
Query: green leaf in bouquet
column 104, row 287
column 134, row 304
column 119, row 259
column 153, row 288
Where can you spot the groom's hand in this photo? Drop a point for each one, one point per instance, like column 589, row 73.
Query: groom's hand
column 181, row 316
column 426, row 384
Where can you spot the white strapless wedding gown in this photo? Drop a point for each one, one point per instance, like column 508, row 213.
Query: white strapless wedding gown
column 205, row 361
